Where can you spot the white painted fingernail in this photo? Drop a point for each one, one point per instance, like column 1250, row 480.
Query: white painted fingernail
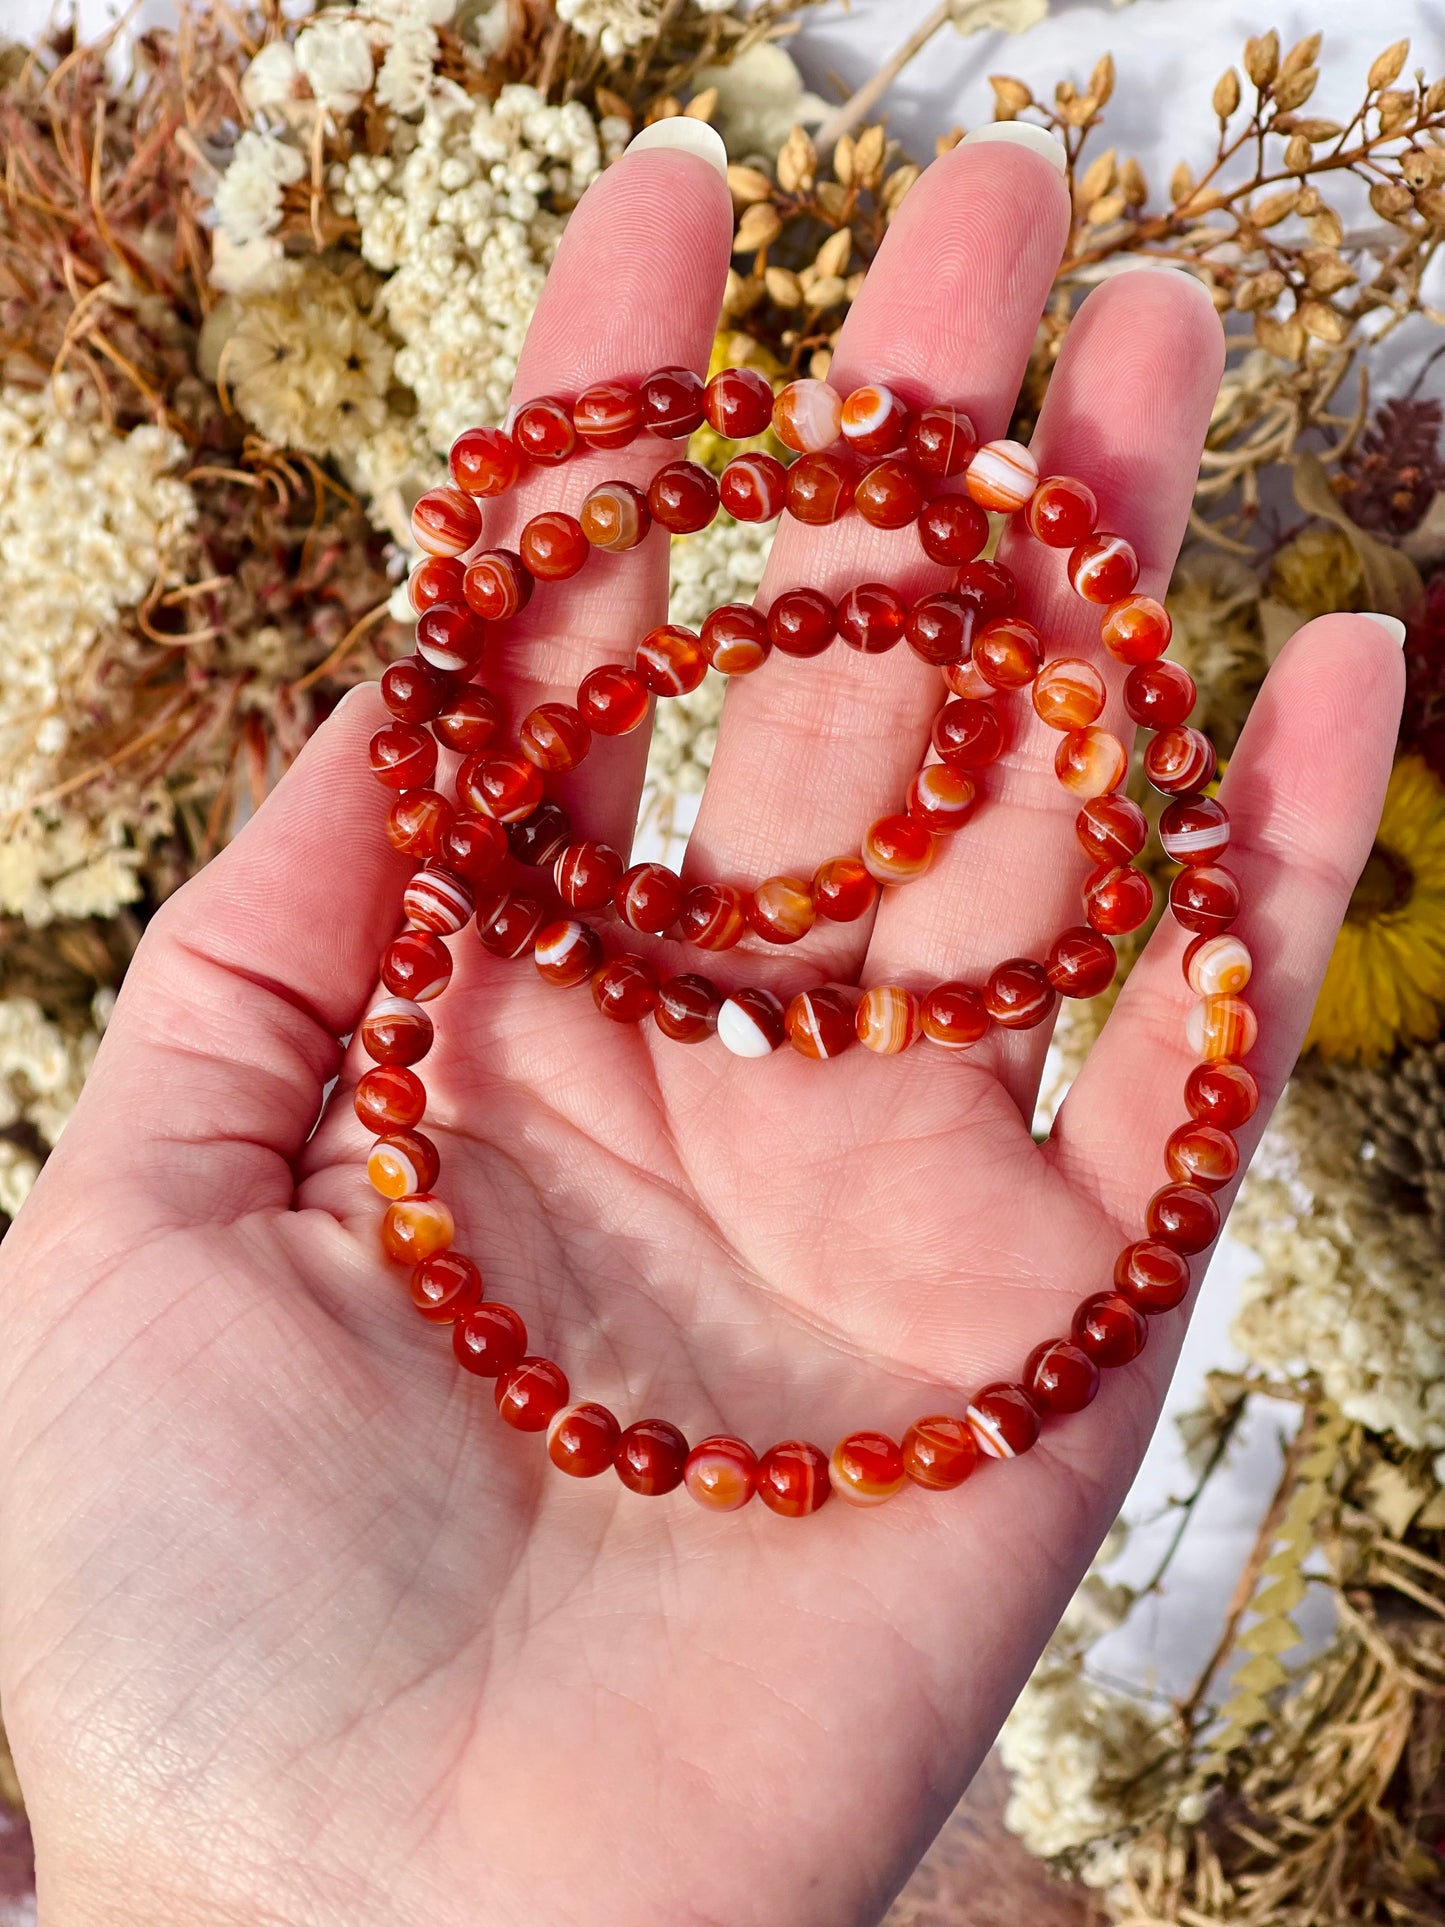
column 1392, row 626
column 686, row 136
column 1024, row 134
column 1147, row 264
column 352, row 693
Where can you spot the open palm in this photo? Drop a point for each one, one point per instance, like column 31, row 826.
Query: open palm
column 293, row 1630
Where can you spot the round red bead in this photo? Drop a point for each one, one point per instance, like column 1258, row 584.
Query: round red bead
column 582, row 1439
column 1222, row 1093
column 1111, row 829
column 1183, row 1216
column 625, row 989
column 802, row 622
column 1152, row 1276
column 508, row 922
column 871, row 618
column 503, row 786
column 671, row 660
column 390, row 1098
column 1103, row 568
column 1194, row 829
column 1018, row 994
column 753, row 487
column 1196, row 1153
column 553, row 546
column 941, row 440
column 450, row 636
column 586, row 874
column 987, row 587
column 544, row 432
column 497, row 585
column 1205, row 898
column 412, row 690
column 403, row 756
column 648, row 897
column 417, row 822
column 866, row 1468
column 650, row 1457
column 1005, row 1421
column 939, row 628
column 473, row 846
column 843, row 890
column 1159, row 694
column 672, row 402
column 416, row 964
column 1061, row 512
column 967, row 734
column 735, row 638
column 739, row 403
column 608, row 414
column 612, row 699
column 484, row 461
column 820, row 487
column 683, row 497
column 1109, row 1329
column 792, row 1477
column 821, row 1023
column 554, row 736
column 1082, row 963
column 714, row 916
column 436, row 578
column 1060, row 1378
column 687, row 1008
column 721, row 1473
column 469, row 719
column 489, row 1340
column 1117, row 898
column 445, row 1287
column 955, row 1016
column 530, row 1394
column 952, row 529
column 1136, row 629
column 939, row 1452
column 889, row 495
column 566, row 952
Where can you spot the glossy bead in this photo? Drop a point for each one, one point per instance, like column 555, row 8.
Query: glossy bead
column 753, row 487
column 468, row 720
column 497, row 585
column 897, row 849
column 1091, row 762
column 436, row 900
column 807, row 416
column 396, row 1031
column 586, row 874
column 888, row 1019
column 1221, row 1027
column 1061, row 512
column 820, row 1023
column 1069, row 693
column 671, row 660
column 1008, row 652
column 1152, row 1276
column 413, row 1228
column 942, row 440
column 1184, row 1216
column 416, row 965
column 683, row 496
column 890, row 496
column 608, row 414
column 508, row 922
column 873, row 419
column 412, row 690
column 739, row 403
column 1159, row 694
column 1218, row 966
column 802, row 622
column 1109, row 1330
column 1205, row 898
column 1103, row 568
column 582, row 1439
column 940, row 798
column 1004, row 1420
column 1081, row 963
column 792, row 1478
column 721, row 1473
column 952, row 529
column 750, row 1023
column 489, row 1339
column 843, row 891
column 955, row 1016
column 964, row 680
column 686, row 1008
column 473, row 846
column 445, row 522
column 539, row 839
column 615, row 517
column 672, row 402
column 866, row 1468
column 871, row 618
column 781, row 909
column 543, row 431
column 735, row 639
column 1221, row 1093
column 415, row 823
column 403, row 756
column 1018, row 994
column 612, row 700
column 650, row 1456
column 554, row 736
column 625, row 989
column 445, row 1286
column 714, row 916
column 401, row 1163
column 566, row 952
column 939, row 628
column 1002, row 476
column 648, row 897
column 436, row 578
column 450, row 637
column 531, row 1393
column 1111, row 829
column 988, row 587
column 390, row 1098
column 1117, row 898
column 1201, row 1154
column 1180, row 759
column 939, row 1452
column 1194, row 829
column 1060, row 1378
column 553, row 546
column 820, row 487
column 502, row 786
column 484, row 461
column 1136, row 629
column 968, row 735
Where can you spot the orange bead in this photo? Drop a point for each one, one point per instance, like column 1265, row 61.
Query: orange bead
column 1103, row 568
column 497, row 584
column 671, row 660
column 807, row 416
column 843, row 891
column 939, row 1452
column 1201, row 1154
column 1018, row 994
column 897, row 849
column 403, row 1163
column 608, row 414
column 721, row 1473
column 530, row 1394
column 543, row 430
column 955, row 1016
column 820, row 1023
column 1091, row 762
column 873, row 420
column 889, row 495
column 1217, row 966
column 792, row 1478
column 735, row 639
column 1008, row 652
column 1136, row 629
column 446, row 522
column 1002, row 476
column 1221, row 1027
column 781, row 909
column 415, row 1227
column 552, row 546
column 615, row 517
column 582, row 1439
column 445, row 1287
column 889, row 1019
column 1069, row 693
column 940, row 798
column 866, row 1468
column 1180, row 759
column 714, row 916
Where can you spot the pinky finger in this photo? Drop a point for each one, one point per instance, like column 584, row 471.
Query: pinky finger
column 1304, row 792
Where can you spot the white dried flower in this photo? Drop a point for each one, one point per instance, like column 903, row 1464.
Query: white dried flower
column 760, row 99
column 248, row 194
column 273, row 80
column 409, row 64
column 42, row 1069
column 334, row 54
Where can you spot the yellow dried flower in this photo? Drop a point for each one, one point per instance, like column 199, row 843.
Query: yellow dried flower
column 1317, row 573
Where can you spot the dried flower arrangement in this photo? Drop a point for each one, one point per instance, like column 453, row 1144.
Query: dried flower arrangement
column 203, row 513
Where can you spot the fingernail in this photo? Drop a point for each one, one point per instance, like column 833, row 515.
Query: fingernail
column 352, row 693
column 1024, row 134
column 687, row 136
column 1148, row 264
column 1392, row 626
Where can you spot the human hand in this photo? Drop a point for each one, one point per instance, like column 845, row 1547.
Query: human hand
column 292, row 1630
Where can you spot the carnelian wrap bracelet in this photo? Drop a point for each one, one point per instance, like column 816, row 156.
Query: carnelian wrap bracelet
column 866, row 454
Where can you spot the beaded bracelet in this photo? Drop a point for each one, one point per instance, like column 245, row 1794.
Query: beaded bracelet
column 984, row 650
